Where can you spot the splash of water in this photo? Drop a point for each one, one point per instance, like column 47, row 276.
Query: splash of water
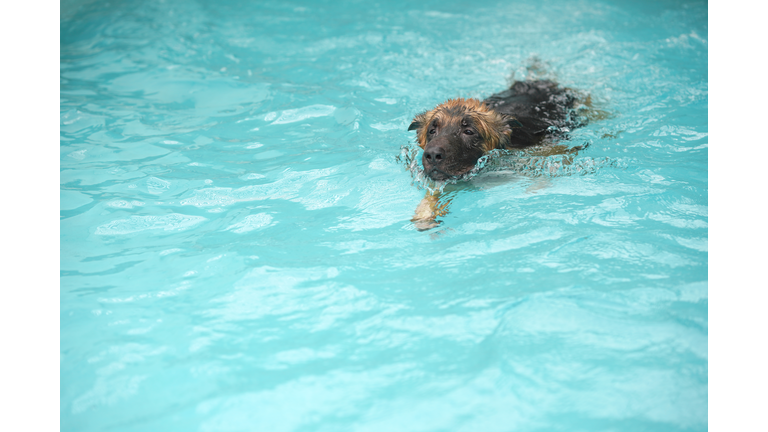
column 519, row 161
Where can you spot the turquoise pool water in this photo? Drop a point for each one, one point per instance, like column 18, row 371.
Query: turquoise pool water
column 236, row 245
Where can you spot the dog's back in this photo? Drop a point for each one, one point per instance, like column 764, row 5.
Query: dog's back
column 541, row 107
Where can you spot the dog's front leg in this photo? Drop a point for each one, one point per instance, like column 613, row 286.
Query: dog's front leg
column 429, row 208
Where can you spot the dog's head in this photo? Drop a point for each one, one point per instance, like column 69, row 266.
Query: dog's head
column 456, row 133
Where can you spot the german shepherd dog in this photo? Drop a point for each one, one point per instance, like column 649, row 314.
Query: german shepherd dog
column 456, row 133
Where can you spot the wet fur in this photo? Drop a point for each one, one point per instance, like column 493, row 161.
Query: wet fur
column 494, row 127
column 522, row 116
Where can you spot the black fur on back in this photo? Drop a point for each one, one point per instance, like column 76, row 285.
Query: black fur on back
column 538, row 106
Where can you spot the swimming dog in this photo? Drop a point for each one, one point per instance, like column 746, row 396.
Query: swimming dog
column 458, row 132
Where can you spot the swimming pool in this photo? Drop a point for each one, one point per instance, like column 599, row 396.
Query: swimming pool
column 236, row 244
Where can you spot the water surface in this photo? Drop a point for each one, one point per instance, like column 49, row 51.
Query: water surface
column 236, row 244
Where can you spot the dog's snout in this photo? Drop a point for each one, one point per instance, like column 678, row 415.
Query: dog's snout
column 434, row 155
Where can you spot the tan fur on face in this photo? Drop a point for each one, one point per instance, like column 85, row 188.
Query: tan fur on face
column 492, row 126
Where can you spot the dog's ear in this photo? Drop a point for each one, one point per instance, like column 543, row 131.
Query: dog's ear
column 418, row 121
column 506, row 131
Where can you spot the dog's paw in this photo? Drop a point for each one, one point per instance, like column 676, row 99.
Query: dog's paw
column 425, row 224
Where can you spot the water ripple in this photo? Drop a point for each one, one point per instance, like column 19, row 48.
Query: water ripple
column 171, row 222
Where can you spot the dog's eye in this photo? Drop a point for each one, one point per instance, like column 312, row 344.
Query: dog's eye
column 432, row 131
column 469, row 132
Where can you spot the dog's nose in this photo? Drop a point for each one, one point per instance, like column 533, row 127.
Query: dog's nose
column 434, row 155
